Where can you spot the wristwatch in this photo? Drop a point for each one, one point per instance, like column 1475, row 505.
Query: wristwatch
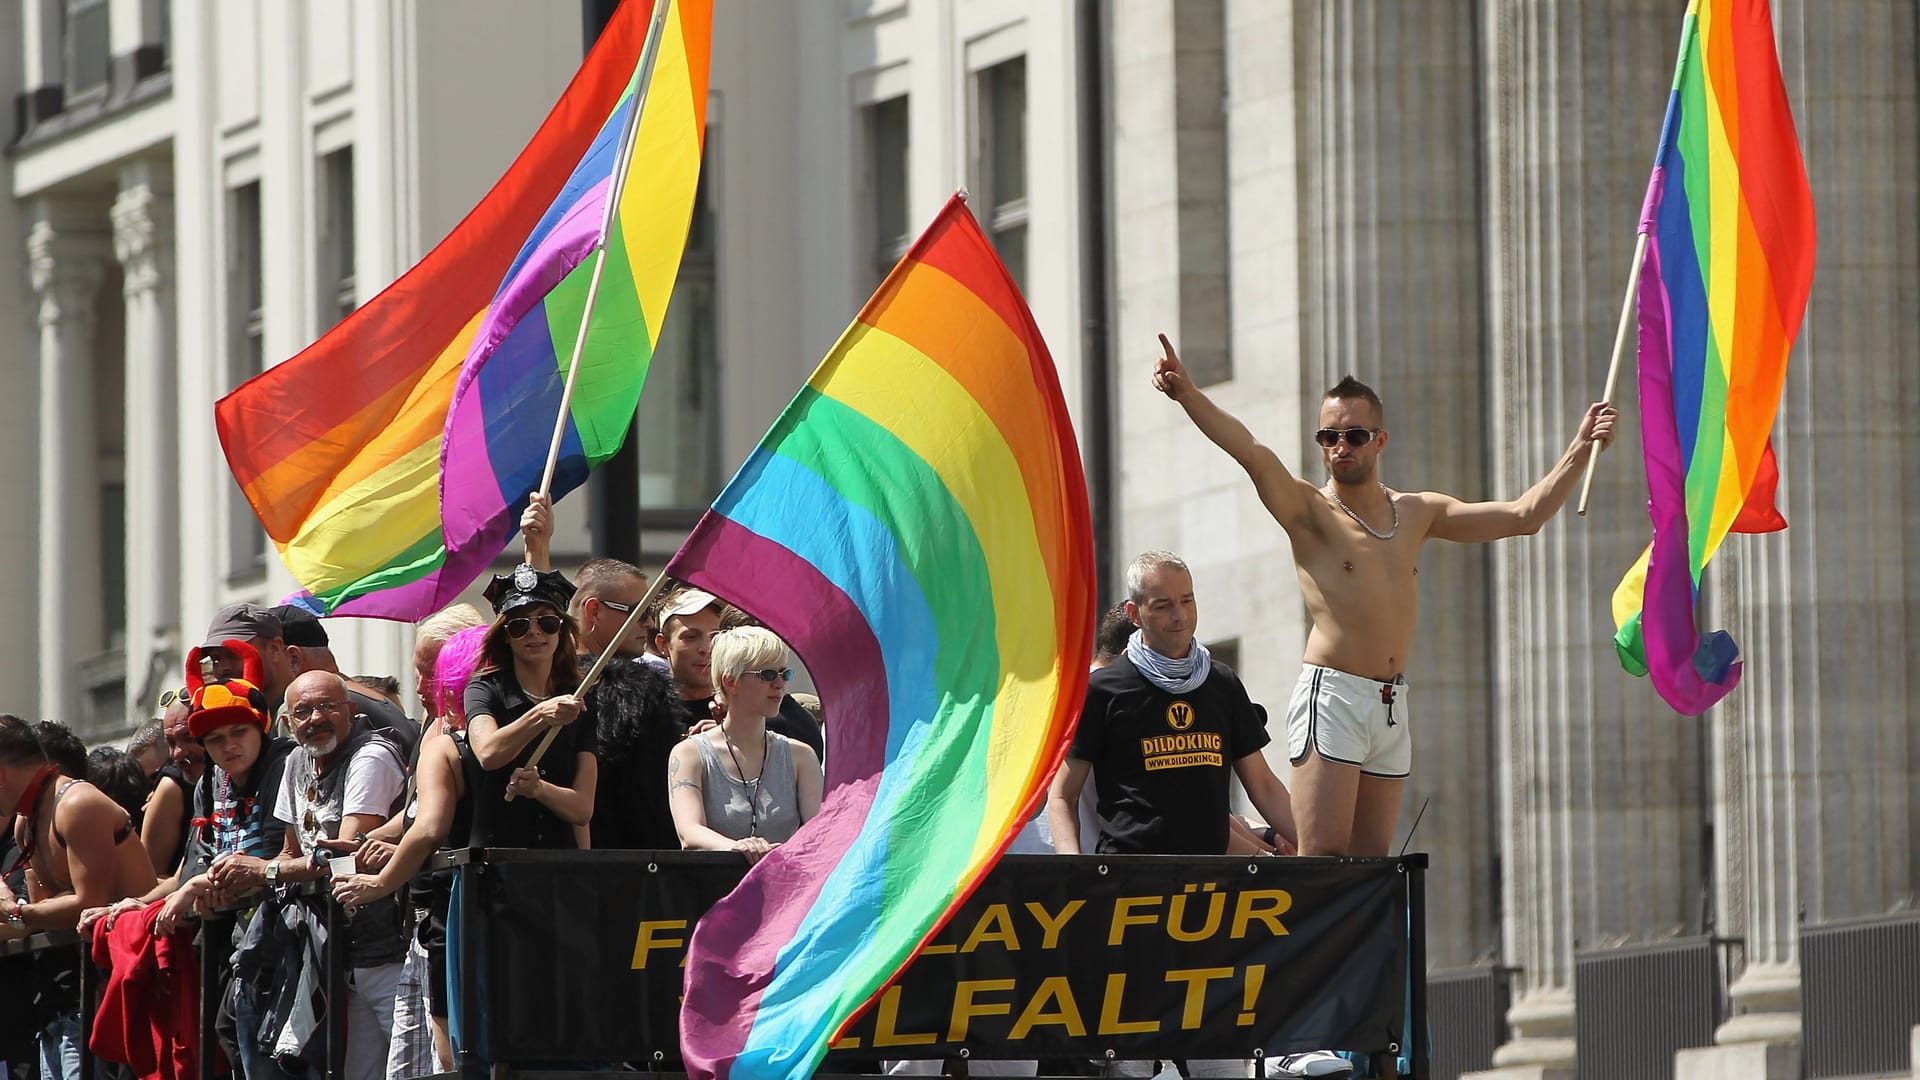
column 272, row 872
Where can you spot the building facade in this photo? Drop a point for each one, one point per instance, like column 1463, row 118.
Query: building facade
column 1437, row 196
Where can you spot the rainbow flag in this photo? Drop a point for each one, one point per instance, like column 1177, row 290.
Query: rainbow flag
column 389, row 460
column 916, row 527
column 1729, row 263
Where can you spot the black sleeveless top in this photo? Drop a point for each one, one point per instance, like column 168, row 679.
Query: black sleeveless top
column 522, row 823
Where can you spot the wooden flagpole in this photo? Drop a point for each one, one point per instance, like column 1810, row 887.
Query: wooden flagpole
column 1613, row 368
column 648, row 54
column 599, row 664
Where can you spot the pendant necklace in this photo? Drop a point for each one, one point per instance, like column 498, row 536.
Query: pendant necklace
column 753, row 785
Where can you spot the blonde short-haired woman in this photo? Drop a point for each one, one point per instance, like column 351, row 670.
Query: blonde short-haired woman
column 738, row 786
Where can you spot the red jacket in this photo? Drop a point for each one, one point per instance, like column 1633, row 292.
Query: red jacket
column 149, row 1015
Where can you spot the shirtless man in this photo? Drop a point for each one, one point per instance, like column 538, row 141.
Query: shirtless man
column 1355, row 546
column 82, row 854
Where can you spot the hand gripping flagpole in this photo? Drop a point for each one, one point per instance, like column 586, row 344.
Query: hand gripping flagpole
column 649, row 53
column 1620, row 338
column 1648, row 208
column 615, row 187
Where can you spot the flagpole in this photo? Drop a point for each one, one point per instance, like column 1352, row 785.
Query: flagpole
column 1689, row 29
column 616, row 185
column 593, row 673
column 1613, row 368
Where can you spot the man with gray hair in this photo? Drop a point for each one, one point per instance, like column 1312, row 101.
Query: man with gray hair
column 345, row 779
column 1163, row 727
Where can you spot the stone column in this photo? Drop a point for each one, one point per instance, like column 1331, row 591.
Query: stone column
column 66, row 253
column 1816, row 774
column 1389, row 257
column 1599, row 784
column 143, row 242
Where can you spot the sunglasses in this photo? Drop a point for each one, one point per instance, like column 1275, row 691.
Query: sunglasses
column 624, row 609
column 517, row 628
column 1355, row 436
column 771, row 674
column 172, row 696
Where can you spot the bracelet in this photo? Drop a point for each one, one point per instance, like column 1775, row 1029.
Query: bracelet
column 1270, row 837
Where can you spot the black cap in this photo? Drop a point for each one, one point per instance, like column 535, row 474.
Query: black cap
column 301, row 627
column 247, row 622
column 529, row 586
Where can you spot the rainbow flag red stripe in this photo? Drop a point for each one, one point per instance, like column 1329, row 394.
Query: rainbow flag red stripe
column 1729, row 264
column 916, row 527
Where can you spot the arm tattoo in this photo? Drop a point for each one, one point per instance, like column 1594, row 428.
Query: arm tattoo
column 678, row 784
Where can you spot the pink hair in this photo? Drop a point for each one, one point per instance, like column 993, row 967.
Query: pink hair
column 453, row 669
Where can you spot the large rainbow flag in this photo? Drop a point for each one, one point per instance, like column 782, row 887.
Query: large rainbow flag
column 916, row 527
column 389, row 460
column 1729, row 263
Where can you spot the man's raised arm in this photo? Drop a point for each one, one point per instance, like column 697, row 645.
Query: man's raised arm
column 1284, row 494
column 1475, row 523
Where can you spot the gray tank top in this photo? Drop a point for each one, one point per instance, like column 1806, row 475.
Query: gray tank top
column 768, row 807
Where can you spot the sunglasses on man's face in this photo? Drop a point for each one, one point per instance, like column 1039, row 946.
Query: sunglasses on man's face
column 517, row 628
column 1355, row 436
column 772, row 674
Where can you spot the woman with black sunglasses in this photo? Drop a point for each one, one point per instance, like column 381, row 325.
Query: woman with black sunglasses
column 523, row 689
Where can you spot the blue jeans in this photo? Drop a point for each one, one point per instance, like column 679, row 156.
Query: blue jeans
column 255, row 1064
column 60, row 1047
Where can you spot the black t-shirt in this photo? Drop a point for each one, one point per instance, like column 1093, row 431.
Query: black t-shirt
column 1161, row 762
column 522, row 823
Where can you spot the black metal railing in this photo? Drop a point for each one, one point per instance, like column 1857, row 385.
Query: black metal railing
column 1860, row 995
column 1637, row 1006
column 1467, row 1009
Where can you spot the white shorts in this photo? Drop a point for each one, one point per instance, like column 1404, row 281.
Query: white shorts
column 1351, row 720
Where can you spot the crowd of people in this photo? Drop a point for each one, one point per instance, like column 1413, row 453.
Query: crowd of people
column 269, row 767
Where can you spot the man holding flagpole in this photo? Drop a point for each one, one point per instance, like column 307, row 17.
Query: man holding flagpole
column 1355, row 547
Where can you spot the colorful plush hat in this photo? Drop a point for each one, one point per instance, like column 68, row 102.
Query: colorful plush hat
column 529, row 586
column 233, row 701
column 252, row 668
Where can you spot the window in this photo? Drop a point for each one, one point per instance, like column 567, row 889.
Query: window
column 246, row 357
column 85, row 42
column 677, row 431
column 1000, row 168
column 334, row 235
column 887, row 156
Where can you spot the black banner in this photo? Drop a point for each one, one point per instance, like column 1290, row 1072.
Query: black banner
column 1052, row 957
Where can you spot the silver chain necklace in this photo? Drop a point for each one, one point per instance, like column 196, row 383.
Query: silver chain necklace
column 1392, row 504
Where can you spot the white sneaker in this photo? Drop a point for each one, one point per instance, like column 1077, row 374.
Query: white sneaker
column 1311, row 1063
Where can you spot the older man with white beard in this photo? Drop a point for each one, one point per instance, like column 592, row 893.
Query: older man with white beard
column 344, row 779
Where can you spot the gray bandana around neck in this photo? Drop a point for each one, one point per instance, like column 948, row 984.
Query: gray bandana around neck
column 1174, row 676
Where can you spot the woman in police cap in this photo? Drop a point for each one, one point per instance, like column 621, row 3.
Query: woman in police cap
column 523, row 689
